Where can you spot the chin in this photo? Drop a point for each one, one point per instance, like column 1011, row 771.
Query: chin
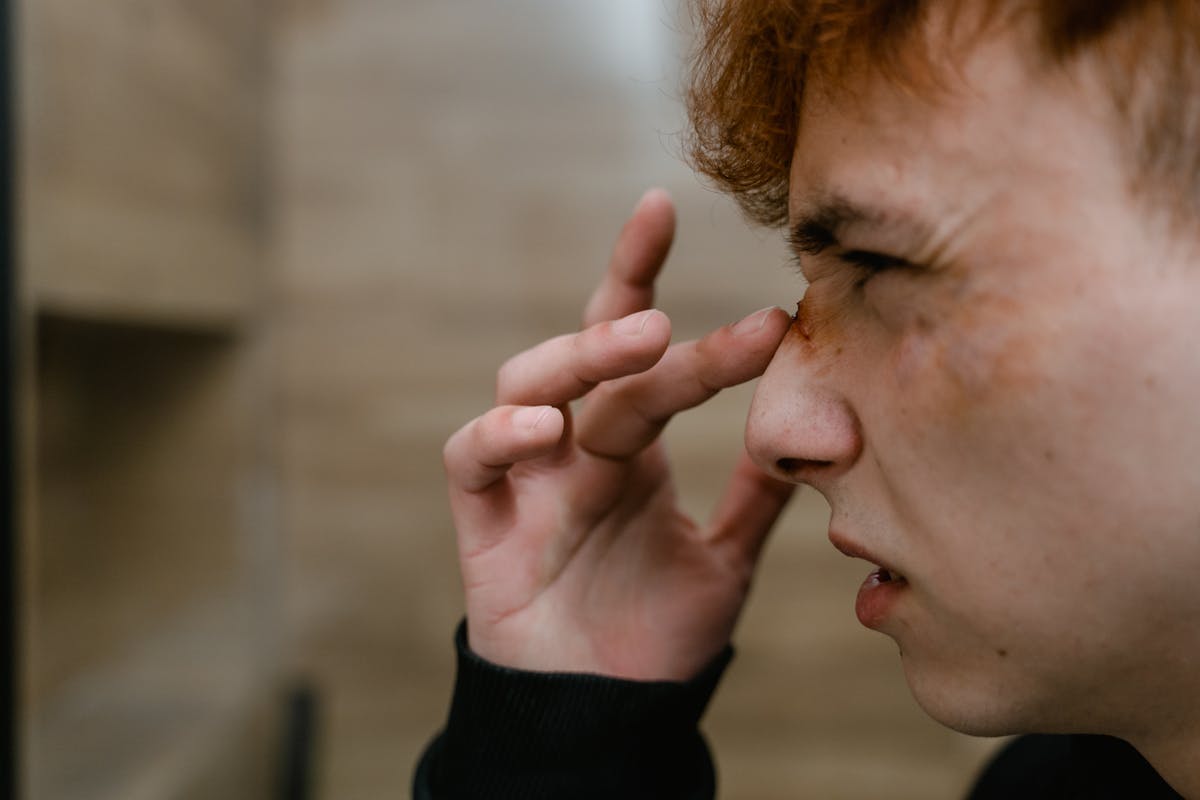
column 971, row 720
column 977, row 702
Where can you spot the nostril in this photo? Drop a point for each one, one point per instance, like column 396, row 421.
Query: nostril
column 798, row 466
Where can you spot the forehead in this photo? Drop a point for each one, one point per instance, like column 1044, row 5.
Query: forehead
column 999, row 123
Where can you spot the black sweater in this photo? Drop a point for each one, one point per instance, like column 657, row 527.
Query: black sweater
column 515, row 735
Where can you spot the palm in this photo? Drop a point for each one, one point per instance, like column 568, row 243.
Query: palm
column 623, row 582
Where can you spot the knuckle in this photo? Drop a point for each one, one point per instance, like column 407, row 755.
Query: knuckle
column 606, row 395
column 506, row 377
column 714, row 363
column 710, row 347
column 625, row 398
column 583, row 342
column 464, row 445
column 487, row 429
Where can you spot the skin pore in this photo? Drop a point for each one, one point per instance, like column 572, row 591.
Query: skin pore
column 992, row 378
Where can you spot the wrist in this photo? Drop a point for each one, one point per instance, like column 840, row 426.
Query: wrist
column 514, row 733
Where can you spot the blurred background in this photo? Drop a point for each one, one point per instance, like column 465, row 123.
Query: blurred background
column 270, row 256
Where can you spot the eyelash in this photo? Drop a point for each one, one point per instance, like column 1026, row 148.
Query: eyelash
column 870, row 262
column 873, row 262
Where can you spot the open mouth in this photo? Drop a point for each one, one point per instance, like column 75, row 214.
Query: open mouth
column 884, row 575
column 878, row 595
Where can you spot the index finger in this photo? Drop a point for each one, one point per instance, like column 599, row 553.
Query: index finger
column 640, row 251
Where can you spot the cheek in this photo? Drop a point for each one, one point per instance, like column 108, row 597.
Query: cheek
column 984, row 412
column 953, row 356
column 979, row 351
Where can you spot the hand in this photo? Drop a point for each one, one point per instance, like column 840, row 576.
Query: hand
column 574, row 553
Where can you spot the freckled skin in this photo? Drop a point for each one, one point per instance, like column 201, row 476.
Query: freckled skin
column 810, row 319
column 975, row 355
column 1012, row 424
column 968, row 340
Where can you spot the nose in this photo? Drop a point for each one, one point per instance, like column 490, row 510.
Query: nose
column 801, row 427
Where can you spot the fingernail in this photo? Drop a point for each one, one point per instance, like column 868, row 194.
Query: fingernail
column 634, row 324
column 641, row 201
column 531, row 417
column 754, row 322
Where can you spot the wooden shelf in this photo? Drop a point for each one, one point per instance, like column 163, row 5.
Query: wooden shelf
column 142, row 178
column 151, row 642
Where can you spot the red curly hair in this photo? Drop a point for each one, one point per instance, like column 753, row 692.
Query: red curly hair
column 754, row 56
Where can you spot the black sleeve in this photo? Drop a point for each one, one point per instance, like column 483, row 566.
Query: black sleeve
column 1046, row 767
column 543, row 735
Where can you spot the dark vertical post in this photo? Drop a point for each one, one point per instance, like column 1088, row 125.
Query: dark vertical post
column 9, row 457
column 297, row 760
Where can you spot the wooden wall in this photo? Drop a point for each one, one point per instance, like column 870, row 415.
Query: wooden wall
column 452, row 175
column 437, row 185
column 150, row 613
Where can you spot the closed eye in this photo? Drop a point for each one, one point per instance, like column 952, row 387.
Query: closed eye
column 868, row 262
column 873, row 262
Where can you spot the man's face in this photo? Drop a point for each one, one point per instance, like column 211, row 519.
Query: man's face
column 1008, row 419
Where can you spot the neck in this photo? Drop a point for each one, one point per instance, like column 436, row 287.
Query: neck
column 1173, row 750
column 1163, row 709
column 1178, row 764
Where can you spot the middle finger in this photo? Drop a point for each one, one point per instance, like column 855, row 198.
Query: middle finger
column 566, row 367
column 622, row 417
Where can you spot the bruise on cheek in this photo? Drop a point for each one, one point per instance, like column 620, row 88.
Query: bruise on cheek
column 917, row 352
column 996, row 350
column 957, row 351
column 980, row 349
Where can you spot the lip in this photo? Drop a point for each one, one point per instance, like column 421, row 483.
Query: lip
column 847, row 547
column 880, row 591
